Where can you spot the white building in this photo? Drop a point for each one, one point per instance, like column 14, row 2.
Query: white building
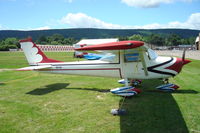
column 197, row 42
column 88, row 42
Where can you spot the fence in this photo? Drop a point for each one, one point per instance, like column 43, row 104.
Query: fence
column 55, row 48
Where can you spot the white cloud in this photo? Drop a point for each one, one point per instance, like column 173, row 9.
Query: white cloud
column 25, row 29
column 42, row 28
column 193, row 22
column 81, row 20
column 149, row 3
column 38, row 28
column 1, row 27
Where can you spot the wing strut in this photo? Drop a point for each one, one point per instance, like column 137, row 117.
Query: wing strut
column 143, row 61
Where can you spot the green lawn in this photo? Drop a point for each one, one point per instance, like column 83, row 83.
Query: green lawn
column 48, row 103
column 17, row 59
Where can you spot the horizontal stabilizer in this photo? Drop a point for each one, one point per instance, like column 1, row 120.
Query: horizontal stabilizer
column 31, row 68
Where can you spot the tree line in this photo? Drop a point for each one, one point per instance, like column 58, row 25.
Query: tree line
column 159, row 40
column 55, row 39
column 58, row 39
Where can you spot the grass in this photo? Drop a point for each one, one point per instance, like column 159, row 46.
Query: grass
column 47, row 103
column 17, row 59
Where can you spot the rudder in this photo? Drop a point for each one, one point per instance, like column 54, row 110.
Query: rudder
column 33, row 53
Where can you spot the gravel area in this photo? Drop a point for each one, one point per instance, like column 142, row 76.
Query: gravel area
column 179, row 53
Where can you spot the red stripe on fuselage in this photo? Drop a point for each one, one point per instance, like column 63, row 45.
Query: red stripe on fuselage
column 120, row 73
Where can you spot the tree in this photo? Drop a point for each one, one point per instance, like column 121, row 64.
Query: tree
column 122, row 38
column 56, row 37
column 156, row 40
column 9, row 43
column 173, row 40
column 136, row 37
column 42, row 40
column 69, row 41
column 55, row 43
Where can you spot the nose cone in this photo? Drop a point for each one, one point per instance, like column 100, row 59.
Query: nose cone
column 186, row 62
column 177, row 66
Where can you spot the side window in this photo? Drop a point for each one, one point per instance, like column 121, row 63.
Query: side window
column 131, row 56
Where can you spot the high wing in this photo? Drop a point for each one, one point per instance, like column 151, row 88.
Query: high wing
column 121, row 45
column 34, row 68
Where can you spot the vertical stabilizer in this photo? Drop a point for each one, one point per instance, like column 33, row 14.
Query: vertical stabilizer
column 33, row 53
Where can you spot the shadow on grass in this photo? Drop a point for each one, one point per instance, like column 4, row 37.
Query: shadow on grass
column 2, row 83
column 48, row 89
column 177, row 91
column 91, row 89
column 152, row 112
column 58, row 86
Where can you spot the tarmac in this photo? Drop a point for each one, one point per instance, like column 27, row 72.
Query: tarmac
column 191, row 54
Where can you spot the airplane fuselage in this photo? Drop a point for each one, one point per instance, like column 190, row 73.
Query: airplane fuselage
column 119, row 69
column 124, row 59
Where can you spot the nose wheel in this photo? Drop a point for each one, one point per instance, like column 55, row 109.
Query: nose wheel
column 167, row 87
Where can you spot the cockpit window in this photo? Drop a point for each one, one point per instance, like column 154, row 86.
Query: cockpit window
column 152, row 54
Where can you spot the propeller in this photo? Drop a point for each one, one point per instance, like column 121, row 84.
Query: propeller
column 183, row 56
column 184, row 61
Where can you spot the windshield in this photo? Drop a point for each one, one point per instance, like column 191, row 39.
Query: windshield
column 152, row 54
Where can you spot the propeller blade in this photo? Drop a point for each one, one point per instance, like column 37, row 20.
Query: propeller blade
column 185, row 61
column 183, row 57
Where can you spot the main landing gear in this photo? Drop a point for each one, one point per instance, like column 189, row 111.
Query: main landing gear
column 167, row 86
column 129, row 89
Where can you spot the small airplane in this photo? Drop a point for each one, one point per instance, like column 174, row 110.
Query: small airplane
column 131, row 61
column 92, row 56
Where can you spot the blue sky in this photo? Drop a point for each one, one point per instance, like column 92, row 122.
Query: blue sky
column 109, row 14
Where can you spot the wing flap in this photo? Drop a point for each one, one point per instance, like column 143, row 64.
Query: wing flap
column 31, row 68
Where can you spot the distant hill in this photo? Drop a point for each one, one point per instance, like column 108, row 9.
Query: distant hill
column 90, row 33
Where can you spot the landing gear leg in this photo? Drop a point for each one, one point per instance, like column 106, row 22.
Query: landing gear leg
column 126, row 82
column 166, row 81
column 135, row 82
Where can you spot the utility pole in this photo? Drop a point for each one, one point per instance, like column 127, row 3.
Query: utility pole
column 198, row 47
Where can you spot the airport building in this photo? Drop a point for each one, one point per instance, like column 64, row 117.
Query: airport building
column 197, row 42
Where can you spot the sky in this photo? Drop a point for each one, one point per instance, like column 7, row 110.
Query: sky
column 106, row 14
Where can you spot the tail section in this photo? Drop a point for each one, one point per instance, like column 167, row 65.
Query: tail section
column 33, row 53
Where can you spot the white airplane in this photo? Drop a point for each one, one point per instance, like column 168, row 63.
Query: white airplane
column 128, row 60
